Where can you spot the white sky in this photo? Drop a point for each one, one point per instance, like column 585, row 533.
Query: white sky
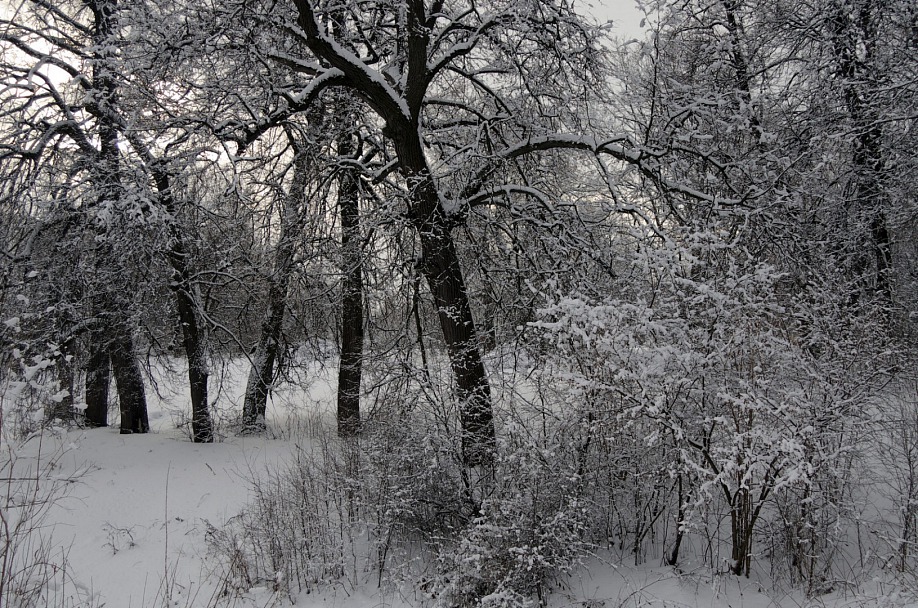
column 624, row 14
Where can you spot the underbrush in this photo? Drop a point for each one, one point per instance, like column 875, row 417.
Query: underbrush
column 394, row 509
column 34, row 569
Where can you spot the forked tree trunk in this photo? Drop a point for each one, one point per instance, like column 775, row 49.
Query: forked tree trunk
column 110, row 339
column 131, row 395
column 440, row 263
column 261, row 374
column 349, row 369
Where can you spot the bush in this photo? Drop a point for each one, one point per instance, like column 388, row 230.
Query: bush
column 378, row 508
column 529, row 532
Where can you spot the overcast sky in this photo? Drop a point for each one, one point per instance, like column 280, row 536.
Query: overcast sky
column 623, row 13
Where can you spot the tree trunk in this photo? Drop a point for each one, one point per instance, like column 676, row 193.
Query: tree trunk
column 64, row 409
column 440, row 266
column 98, row 379
column 261, row 375
column 193, row 337
column 202, row 430
column 741, row 528
column 131, row 395
column 193, row 340
column 854, row 38
column 673, row 558
column 349, row 369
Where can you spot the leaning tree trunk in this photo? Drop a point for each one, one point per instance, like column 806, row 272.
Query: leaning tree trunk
column 440, row 266
column 193, row 338
column 261, row 374
column 349, row 370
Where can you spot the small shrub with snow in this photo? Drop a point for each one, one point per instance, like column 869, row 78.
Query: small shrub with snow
column 529, row 532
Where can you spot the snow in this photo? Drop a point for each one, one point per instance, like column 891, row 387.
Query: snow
column 140, row 514
column 137, row 511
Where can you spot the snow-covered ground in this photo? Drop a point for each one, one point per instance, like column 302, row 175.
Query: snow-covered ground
column 132, row 524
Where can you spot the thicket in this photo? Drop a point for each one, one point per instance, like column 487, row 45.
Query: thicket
column 651, row 299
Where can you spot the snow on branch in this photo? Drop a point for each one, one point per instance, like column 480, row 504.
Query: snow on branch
column 619, row 147
column 368, row 82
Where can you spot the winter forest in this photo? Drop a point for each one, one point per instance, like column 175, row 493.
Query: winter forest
column 458, row 303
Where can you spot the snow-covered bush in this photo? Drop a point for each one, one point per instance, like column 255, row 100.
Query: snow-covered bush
column 734, row 383
column 528, row 533
column 388, row 507
column 299, row 531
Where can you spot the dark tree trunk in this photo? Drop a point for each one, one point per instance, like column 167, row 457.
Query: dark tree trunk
column 193, row 340
column 193, row 337
column 440, row 266
column 444, row 275
column 854, row 39
column 98, row 379
column 64, row 409
column 202, row 430
column 673, row 558
column 261, row 374
column 349, row 370
column 131, row 395
column 107, row 180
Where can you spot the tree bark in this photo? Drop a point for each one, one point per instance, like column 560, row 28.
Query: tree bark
column 202, row 430
column 349, row 369
column 261, row 374
column 443, row 271
column 193, row 339
column 64, row 409
column 98, row 379
column 131, row 395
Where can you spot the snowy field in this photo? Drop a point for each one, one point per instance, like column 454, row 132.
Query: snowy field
column 127, row 521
